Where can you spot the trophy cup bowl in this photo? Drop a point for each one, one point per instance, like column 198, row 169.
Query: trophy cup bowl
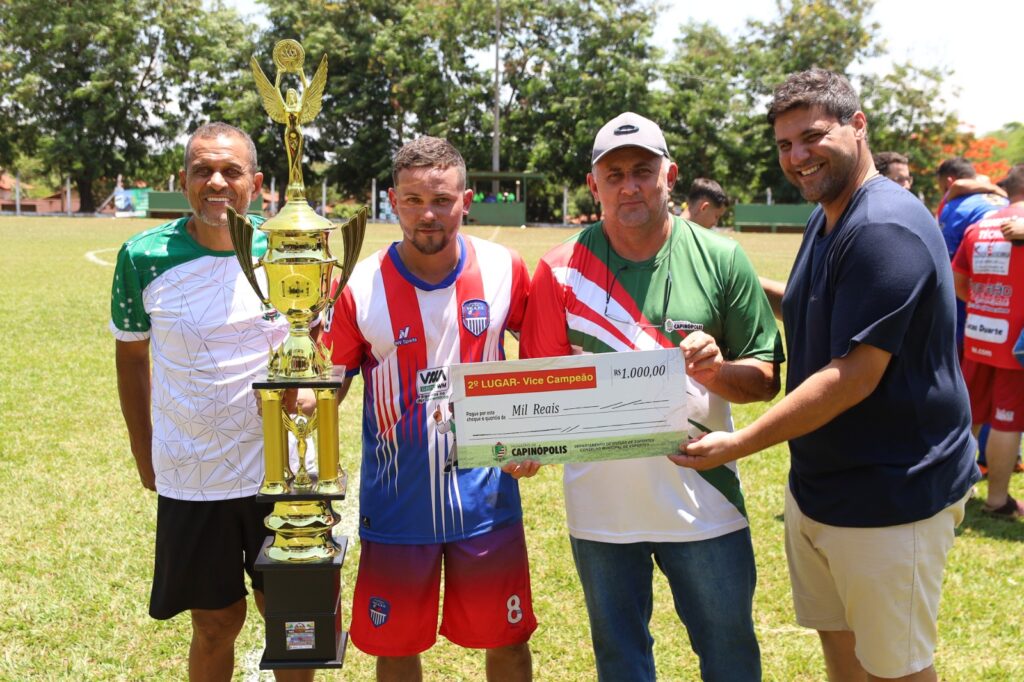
column 299, row 265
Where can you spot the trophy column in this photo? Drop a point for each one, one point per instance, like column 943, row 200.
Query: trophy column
column 301, row 563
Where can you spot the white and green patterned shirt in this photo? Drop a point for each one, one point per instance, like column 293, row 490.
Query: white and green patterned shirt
column 210, row 338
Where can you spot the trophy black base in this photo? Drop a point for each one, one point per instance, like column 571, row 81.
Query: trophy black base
column 303, row 611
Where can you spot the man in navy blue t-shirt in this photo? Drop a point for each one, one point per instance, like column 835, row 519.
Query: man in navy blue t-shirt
column 876, row 411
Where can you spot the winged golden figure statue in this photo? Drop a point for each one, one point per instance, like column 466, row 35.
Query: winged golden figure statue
column 292, row 110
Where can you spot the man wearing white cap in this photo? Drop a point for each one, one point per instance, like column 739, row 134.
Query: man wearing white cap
column 612, row 288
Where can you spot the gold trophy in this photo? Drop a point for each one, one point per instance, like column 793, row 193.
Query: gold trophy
column 299, row 267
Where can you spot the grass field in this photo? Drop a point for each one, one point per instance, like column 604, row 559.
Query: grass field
column 77, row 541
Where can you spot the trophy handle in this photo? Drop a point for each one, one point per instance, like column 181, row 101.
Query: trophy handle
column 241, row 232
column 352, row 233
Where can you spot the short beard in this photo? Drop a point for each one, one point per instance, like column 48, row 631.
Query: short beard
column 221, row 224
column 429, row 248
column 829, row 189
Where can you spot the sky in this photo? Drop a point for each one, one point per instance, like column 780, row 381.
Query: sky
column 977, row 45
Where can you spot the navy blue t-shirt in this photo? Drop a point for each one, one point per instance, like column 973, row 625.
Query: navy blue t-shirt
column 881, row 277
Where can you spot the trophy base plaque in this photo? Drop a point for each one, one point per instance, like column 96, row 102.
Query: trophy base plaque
column 303, row 612
column 338, row 662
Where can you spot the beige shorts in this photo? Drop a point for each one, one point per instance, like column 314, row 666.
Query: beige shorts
column 881, row 583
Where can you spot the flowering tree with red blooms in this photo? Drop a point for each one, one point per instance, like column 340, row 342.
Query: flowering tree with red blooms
column 982, row 152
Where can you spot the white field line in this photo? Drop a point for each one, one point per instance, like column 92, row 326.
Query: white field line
column 251, row 667
column 93, row 258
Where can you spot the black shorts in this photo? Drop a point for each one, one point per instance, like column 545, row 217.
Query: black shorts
column 202, row 549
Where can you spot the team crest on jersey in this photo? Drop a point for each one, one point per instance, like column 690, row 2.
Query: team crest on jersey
column 476, row 316
column 432, row 384
column 379, row 611
column 404, row 338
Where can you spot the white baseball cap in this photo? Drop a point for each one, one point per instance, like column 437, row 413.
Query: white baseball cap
column 629, row 130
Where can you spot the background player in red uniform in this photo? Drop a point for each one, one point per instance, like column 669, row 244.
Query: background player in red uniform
column 988, row 271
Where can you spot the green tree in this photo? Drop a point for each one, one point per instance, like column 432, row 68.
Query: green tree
column 1013, row 135
column 906, row 114
column 568, row 67
column 830, row 34
column 396, row 69
column 704, row 113
column 91, row 88
column 36, row 183
column 716, row 90
column 409, row 67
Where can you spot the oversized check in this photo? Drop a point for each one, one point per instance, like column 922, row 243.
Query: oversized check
column 577, row 408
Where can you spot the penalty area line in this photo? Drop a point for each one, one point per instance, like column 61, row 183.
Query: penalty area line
column 93, row 258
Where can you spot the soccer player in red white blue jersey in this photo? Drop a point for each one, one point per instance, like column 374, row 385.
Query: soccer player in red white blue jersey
column 407, row 313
